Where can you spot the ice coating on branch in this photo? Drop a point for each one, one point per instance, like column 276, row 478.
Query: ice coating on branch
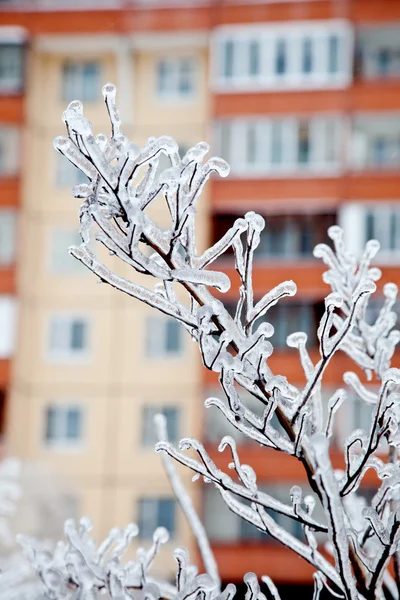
column 124, row 182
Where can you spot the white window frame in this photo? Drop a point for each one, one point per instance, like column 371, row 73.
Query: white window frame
column 13, row 85
column 8, row 236
column 67, row 355
column 10, row 136
column 77, row 92
column 237, row 129
column 355, row 213
column 71, row 267
column 150, row 410
column 293, row 33
column 175, row 63
column 154, row 349
column 63, row 442
column 8, row 325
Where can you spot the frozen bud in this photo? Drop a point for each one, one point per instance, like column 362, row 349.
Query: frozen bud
column 80, row 125
column 227, row 440
column 160, row 535
column 392, row 375
column 368, row 287
column 255, row 221
column 375, row 274
column 76, row 106
column 241, row 224
column 69, row 526
column 309, row 502
column 219, row 165
column 86, row 523
column 109, row 91
column 266, row 329
column 335, row 232
column 181, row 555
column 390, row 290
column 82, row 190
column 372, row 247
column 168, row 144
column 61, row 143
column 296, row 494
column 295, row 340
column 333, row 300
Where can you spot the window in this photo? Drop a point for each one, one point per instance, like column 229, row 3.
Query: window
column 81, row 81
column 171, row 414
column 62, row 263
column 68, row 337
column 156, row 512
column 307, row 56
column 8, row 317
column 67, row 173
column 9, row 150
column 383, row 224
column 11, row 67
column 63, row 425
column 378, row 51
column 376, row 142
column 278, row 146
column 333, row 54
column 292, row 317
column 176, row 77
column 303, row 143
column 297, row 56
column 228, row 59
column 163, row 337
column 280, row 57
column 8, row 223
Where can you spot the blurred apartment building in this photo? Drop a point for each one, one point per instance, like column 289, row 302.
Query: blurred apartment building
column 303, row 99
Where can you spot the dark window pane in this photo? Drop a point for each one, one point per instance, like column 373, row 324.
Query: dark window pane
column 156, row 512
column 380, row 151
column 166, row 515
column 307, row 65
column 384, row 59
column 333, row 54
column 280, row 58
column 304, row 146
column 173, row 336
column 228, row 58
column 251, row 144
column 73, row 424
column 51, row 417
column 78, row 335
column 254, row 58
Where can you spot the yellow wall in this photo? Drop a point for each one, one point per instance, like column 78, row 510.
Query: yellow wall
column 110, row 469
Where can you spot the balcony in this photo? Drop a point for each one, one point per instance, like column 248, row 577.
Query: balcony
column 378, row 53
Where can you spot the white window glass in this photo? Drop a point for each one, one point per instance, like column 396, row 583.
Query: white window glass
column 62, row 263
column 68, row 336
column 281, row 57
column 63, row 425
column 9, row 150
column 156, row 512
column 254, row 58
column 307, row 55
column 8, row 321
column 228, row 58
column 81, row 81
column 383, row 224
column 171, row 414
column 163, row 337
column 303, row 143
column 176, row 77
column 67, row 173
column 11, row 67
column 8, row 225
column 281, row 145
